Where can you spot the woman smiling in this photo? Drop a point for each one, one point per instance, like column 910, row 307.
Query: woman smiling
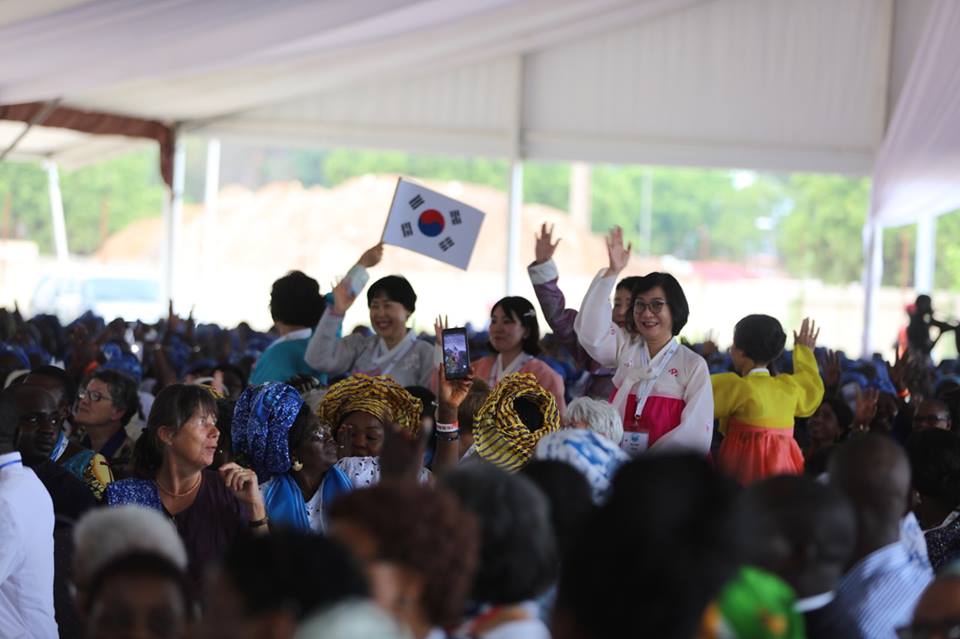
column 515, row 337
column 393, row 350
column 663, row 388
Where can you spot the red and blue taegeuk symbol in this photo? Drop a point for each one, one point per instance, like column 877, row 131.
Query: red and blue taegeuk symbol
column 431, row 223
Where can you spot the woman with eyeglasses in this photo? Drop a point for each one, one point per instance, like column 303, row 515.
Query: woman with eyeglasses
column 290, row 450
column 171, row 467
column 663, row 389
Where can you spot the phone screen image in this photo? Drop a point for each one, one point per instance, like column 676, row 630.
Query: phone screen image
column 456, row 355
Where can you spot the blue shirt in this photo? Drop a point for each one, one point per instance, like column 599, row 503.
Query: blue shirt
column 881, row 591
column 283, row 360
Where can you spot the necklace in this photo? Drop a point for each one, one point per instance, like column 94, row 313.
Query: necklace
column 178, row 495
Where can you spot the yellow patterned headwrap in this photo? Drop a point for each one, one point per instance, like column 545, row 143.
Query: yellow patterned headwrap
column 500, row 436
column 379, row 396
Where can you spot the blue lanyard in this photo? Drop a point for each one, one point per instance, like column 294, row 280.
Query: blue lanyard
column 11, row 463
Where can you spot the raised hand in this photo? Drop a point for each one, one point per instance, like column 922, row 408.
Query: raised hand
column 344, row 439
column 372, row 256
column 808, row 334
column 438, row 325
column 830, row 362
column 545, row 247
column 343, row 296
column 898, row 372
column 618, row 254
column 402, row 456
column 866, row 408
column 242, row 482
column 452, row 392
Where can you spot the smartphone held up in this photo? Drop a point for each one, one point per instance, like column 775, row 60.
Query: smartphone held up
column 456, row 353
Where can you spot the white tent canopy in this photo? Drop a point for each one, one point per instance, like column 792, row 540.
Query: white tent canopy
column 792, row 84
column 802, row 85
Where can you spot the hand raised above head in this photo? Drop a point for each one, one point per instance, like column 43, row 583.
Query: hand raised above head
column 617, row 253
column 808, row 334
column 545, row 246
column 343, row 296
column 372, row 256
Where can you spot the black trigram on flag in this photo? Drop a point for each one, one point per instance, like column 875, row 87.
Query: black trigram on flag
column 455, row 217
column 446, row 244
column 416, row 202
column 406, row 229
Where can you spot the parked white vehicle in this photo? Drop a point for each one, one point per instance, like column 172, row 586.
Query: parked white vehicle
column 107, row 296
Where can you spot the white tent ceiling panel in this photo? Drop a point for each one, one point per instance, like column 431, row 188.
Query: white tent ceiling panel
column 470, row 98
column 712, row 80
column 69, row 149
column 785, row 84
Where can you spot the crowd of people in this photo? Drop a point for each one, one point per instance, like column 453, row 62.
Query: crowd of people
column 605, row 479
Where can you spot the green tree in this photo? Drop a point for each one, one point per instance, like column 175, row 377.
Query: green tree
column 110, row 194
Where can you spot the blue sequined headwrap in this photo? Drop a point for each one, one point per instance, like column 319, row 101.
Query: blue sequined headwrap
column 117, row 360
column 261, row 426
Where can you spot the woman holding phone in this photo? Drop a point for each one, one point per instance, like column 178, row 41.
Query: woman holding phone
column 663, row 388
column 393, row 350
column 515, row 338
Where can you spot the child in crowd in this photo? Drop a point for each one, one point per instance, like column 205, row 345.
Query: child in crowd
column 756, row 409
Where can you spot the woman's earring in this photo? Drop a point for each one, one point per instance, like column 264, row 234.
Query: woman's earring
column 297, row 465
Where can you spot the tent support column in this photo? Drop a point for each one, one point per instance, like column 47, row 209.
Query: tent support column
column 515, row 195
column 211, row 194
column 173, row 221
column 56, row 212
column 872, row 276
column 926, row 254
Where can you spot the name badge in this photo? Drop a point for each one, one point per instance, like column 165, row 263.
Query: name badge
column 635, row 443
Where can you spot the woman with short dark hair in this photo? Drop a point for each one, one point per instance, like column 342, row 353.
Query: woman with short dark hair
column 392, row 350
column 518, row 551
column 663, row 388
column 296, row 306
column 266, row 586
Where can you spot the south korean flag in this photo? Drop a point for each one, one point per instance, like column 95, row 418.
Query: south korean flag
column 432, row 224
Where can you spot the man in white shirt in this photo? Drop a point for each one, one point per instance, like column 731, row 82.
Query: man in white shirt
column 26, row 539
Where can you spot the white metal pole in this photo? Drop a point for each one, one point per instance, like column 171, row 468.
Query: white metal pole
column 515, row 195
column 173, row 220
column 580, row 193
column 926, row 254
column 514, row 224
column 872, row 276
column 208, row 254
column 56, row 211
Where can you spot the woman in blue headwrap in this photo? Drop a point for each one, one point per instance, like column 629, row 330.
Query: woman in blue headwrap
column 291, row 451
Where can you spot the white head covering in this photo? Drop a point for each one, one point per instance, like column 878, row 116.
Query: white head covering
column 104, row 534
column 352, row 619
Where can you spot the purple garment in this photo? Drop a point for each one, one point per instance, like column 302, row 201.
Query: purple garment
column 599, row 384
column 560, row 319
column 207, row 526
